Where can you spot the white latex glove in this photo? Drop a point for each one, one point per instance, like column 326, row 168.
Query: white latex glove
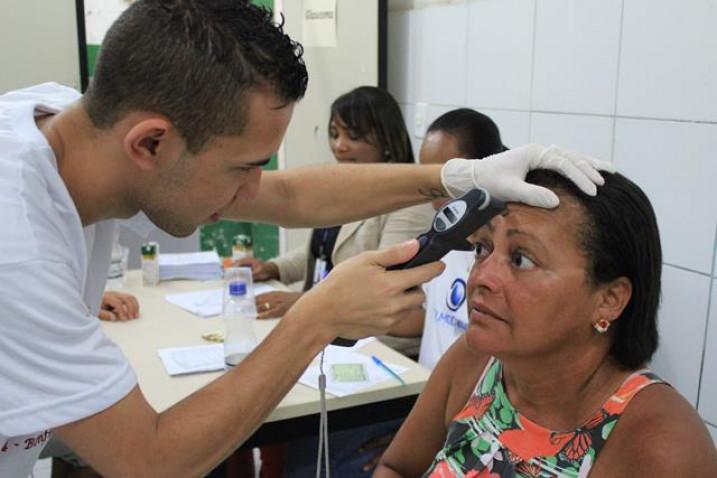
column 503, row 174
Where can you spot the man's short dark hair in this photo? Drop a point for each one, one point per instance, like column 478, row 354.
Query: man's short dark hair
column 620, row 238
column 194, row 62
column 477, row 135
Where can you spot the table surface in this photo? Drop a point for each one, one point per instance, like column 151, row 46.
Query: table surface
column 162, row 324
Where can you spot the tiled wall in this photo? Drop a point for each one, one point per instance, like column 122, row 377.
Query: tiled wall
column 631, row 81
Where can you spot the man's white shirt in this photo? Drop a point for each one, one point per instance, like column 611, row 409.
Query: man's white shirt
column 57, row 365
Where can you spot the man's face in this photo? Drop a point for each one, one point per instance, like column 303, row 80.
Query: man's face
column 195, row 189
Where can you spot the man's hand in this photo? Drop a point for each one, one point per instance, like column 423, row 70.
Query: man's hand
column 360, row 298
column 260, row 270
column 118, row 306
column 275, row 304
column 503, row 174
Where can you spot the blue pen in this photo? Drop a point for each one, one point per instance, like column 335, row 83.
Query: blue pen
column 382, row 365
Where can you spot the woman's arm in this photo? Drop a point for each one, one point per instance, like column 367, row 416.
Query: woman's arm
column 659, row 434
column 423, row 433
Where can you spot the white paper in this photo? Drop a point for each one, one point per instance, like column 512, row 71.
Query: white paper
column 189, row 258
column 345, row 355
column 319, row 23
column 208, row 303
column 184, row 360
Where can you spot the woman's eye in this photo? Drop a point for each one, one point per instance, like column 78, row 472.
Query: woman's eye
column 481, row 251
column 353, row 136
column 521, row 261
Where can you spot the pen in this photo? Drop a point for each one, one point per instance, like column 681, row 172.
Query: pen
column 382, row 365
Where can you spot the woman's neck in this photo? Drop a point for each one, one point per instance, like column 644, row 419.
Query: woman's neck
column 563, row 390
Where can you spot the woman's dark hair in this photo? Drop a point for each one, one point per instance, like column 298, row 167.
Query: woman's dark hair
column 194, row 62
column 620, row 238
column 372, row 113
column 477, row 135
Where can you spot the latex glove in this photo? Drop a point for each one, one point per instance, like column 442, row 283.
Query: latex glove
column 503, row 174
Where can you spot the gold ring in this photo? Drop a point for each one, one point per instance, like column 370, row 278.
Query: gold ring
column 267, row 305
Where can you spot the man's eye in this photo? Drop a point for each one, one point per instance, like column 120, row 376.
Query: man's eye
column 521, row 261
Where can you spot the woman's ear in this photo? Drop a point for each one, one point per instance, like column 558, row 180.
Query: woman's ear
column 614, row 297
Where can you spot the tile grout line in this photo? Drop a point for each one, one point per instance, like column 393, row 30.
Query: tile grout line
column 532, row 71
column 707, row 321
column 617, row 81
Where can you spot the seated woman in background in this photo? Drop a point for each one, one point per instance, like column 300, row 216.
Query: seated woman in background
column 549, row 378
column 365, row 126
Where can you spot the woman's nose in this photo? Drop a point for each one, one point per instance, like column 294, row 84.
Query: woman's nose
column 487, row 274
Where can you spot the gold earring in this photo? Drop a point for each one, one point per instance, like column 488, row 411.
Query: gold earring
column 601, row 326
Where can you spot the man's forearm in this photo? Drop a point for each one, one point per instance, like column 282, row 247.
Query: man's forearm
column 337, row 194
column 191, row 437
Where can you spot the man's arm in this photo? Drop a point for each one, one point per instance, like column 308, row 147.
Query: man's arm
column 360, row 298
column 328, row 195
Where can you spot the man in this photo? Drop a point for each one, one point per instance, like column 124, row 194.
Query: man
column 188, row 101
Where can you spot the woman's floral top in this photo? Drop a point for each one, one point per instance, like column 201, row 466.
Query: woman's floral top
column 490, row 438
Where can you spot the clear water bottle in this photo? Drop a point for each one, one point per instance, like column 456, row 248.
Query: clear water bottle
column 239, row 319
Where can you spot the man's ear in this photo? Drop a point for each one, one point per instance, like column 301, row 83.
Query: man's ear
column 614, row 297
column 148, row 141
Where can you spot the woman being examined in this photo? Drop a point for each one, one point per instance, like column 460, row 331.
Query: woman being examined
column 550, row 377
column 365, row 126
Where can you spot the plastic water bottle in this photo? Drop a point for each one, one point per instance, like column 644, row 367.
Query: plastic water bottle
column 239, row 319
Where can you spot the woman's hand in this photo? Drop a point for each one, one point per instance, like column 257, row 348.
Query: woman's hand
column 275, row 304
column 118, row 306
column 260, row 270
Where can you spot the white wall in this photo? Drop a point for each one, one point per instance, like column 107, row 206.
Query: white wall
column 631, row 81
column 39, row 43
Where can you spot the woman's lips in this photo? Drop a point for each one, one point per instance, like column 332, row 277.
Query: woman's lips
column 480, row 312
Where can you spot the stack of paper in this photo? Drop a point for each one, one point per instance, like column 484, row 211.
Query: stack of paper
column 193, row 266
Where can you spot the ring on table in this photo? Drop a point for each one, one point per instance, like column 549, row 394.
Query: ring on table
column 267, row 305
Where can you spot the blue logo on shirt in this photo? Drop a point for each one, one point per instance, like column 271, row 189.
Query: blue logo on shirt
column 456, row 294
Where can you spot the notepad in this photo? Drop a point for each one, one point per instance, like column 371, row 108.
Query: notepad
column 209, row 302
column 196, row 359
column 343, row 355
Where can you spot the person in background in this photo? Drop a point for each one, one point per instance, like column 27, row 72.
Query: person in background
column 187, row 102
column 460, row 133
column 550, row 377
column 365, row 127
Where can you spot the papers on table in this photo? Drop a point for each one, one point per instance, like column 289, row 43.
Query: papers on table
column 184, row 360
column 193, row 266
column 347, row 355
column 208, row 303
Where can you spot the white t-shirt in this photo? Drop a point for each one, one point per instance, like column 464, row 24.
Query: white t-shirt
column 56, row 365
column 446, row 311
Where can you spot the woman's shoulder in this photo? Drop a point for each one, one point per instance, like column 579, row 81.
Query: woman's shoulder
column 659, row 432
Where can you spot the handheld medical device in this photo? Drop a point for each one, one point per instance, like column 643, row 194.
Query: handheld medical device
column 451, row 225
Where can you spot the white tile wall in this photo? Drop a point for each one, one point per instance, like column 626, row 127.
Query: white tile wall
column 514, row 125
column 576, row 55
column 676, row 164
column 408, row 115
column 708, row 390
column 668, row 66
column 500, row 49
column 588, row 134
column 682, row 318
column 441, row 54
column 401, row 67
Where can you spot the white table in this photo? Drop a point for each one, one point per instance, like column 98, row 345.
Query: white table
column 162, row 324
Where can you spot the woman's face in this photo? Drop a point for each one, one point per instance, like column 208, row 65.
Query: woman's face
column 347, row 147
column 528, row 290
